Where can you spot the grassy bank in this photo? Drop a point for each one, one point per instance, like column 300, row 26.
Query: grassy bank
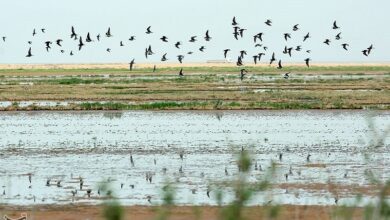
column 202, row 88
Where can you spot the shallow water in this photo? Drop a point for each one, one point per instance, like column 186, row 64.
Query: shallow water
column 97, row 146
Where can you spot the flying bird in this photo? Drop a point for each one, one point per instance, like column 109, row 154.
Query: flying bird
column 132, row 38
column 338, row 36
column 81, row 44
column 307, row 36
column 164, row 58
column 280, row 64
column 225, row 52
column 88, row 38
column 59, row 42
column 29, row 54
column 164, row 38
column 148, row 30
column 295, row 28
column 243, row 72
column 193, row 39
column 286, row 75
column 98, row 37
column 181, row 72
column 286, row 36
column 268, row 22
column 345, row 46
column 234, row 22
column 307, row 60
column 34, row 32
column 108, row 33
column 73, row 33
column 121, row 44
column 272, row 59
column 48, row 43
column 180, row 58
column 177, row 45
column 327, row 41
column 207, row 37
column 335, row 26
column 131, row 66
column 202, row 48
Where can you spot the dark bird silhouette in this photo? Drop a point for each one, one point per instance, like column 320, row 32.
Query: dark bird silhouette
column 81, row 44
column 295, row 28
column 150, row 51
column 154, row 70
column 234, row 22
column 260, row 55
column 202, row 48
column 335, row 25
column 190, row 52
column 108, row 33
column 308, row 51
column 34, row 32
column 62, row 51
column 98, row 37
column 242, row 53
column 29, row 42
column 180, row 58
column 177, row 45
column 268, row 22
column 258, row 36
column 88, row 38
column 327, row 41
column 108, row 50
column 272, row 59
column 71, row 53
column 48, row 43
column 236, row 34
column 131, row 69
column 258, row 45
column 58, row 42
column 255, row 59
column 207, row 37
column 307, row 60
column 280, row 64
column 345, row 46
column 181, row 72
column 241, row 31
column 164, row 38
column 287, row 36
column 239, row 61
column 370, row 48
column 193, row 39
column 148, row 30
column 73, row 33
column 298, row 48
column 225, row 52
column 4, row 38
column 29, row 54
column 132, row 38
column 43, row 30
column 338, row 36
column 307, row 36
column 286, row 75
column 121, row 44
column 164, row 58
column 243, row 72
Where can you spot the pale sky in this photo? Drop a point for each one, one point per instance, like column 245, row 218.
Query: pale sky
column 362, row 23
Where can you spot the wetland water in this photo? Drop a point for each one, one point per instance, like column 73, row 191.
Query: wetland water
column 63, row 146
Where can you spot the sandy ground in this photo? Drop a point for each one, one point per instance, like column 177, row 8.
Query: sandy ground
column 166, row 65
column 177, row 213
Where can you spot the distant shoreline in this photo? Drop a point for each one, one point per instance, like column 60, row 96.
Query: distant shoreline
column 175, row 64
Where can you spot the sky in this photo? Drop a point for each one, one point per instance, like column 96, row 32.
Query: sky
column 362, row 23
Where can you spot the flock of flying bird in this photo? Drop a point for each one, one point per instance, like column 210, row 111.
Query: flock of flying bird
column 238, row 33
